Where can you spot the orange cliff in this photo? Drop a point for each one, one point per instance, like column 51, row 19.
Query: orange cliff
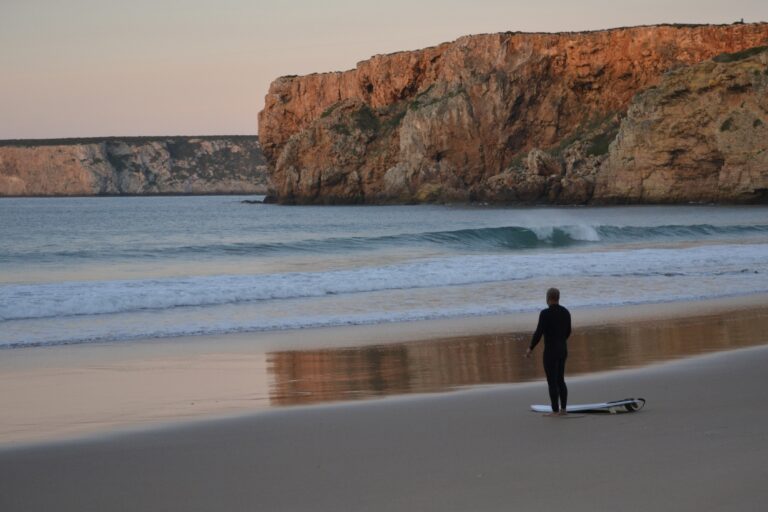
column 498, row 117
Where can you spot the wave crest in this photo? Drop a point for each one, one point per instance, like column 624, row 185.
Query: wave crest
column 508, row 238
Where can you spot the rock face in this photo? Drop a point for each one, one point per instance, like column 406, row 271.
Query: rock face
column 500, row 117
column 138, row 165
column 701, row 135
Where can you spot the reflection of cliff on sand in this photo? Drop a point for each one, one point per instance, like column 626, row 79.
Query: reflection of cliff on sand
column 312, row 376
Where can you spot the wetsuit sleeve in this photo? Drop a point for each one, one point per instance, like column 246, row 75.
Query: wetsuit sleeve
column 568, row 328
column 539, row 332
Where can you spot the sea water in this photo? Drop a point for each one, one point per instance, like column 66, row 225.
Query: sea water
column 78, row 270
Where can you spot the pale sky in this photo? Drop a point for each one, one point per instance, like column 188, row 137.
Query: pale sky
column 78, row 68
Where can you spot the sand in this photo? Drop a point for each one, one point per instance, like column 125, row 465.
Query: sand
column 56, row 393
column 701, row 443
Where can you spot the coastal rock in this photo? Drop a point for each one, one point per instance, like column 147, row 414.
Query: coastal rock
column 459, row 121
column 542, row 164
column 138, row 165
column 700, row 136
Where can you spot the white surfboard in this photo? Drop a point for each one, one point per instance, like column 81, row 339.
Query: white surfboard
column 626, row 405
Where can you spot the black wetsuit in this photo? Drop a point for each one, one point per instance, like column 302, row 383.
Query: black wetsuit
column 555, row 326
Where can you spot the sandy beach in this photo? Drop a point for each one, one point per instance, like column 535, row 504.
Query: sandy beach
column 67, row 392
column 700, row 444
column 131, row 442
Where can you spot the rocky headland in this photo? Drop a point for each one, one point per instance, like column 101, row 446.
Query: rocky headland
column 132, row 166
column 657, row 114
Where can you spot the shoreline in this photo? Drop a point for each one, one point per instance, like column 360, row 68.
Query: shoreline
column 77, row 391
column 427, row 329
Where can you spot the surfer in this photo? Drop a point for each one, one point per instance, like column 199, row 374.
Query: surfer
column 555, row 326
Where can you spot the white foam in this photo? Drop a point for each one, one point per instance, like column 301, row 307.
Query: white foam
column 368, row 308
column 582, row 232
column 105, row 297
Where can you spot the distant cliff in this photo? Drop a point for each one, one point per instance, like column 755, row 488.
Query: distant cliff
column 132, row 165
column 515, row 117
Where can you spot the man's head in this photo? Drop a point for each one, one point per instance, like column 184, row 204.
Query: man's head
column 553, row 296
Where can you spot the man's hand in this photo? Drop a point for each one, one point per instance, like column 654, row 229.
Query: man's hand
column 528, row 353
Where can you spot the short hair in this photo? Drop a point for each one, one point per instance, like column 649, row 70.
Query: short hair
column 553, row 294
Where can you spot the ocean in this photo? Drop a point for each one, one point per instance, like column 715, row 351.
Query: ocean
column 80, row 270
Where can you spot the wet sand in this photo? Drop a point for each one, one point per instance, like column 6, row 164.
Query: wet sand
column 450, row 428
column 700, row 444
column 58, row 393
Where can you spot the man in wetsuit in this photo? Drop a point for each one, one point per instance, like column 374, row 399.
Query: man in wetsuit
column 555, row 326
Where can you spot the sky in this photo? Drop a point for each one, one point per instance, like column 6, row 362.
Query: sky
column 91, row 68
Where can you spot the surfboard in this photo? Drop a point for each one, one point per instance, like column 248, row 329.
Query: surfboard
column 626, row 405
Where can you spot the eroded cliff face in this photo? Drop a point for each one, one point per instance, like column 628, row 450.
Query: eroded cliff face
column 701, row 135
column 500, row 117
column 141, row 165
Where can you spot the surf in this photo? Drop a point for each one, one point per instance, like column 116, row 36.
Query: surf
column 500, row 239
column 74, row 298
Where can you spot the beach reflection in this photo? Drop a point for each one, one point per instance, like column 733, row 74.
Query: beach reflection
column 314, row 376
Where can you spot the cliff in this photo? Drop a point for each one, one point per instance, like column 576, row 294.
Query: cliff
column 701, row 135
column 134, row 165
column 499, row 117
